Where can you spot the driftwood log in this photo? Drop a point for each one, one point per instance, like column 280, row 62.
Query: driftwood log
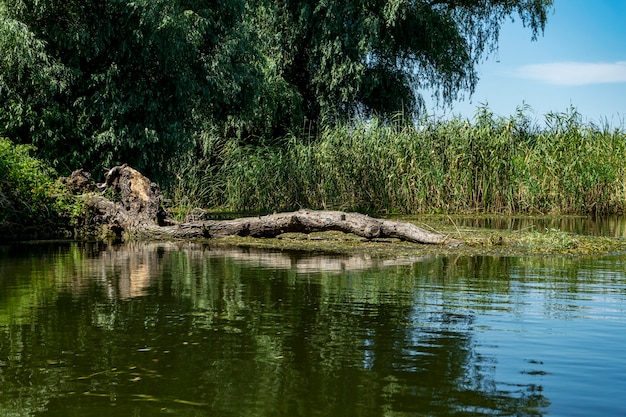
column 302, row 221
column 130, row 206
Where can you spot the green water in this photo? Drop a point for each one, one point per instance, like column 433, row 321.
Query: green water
column 198, row 330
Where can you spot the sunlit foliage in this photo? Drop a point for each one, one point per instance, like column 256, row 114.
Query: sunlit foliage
column 487, row 164
column 25, row 188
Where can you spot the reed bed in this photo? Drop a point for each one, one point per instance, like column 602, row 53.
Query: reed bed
column 486, row 165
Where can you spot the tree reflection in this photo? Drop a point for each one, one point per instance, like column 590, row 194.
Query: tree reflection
column 194, row 330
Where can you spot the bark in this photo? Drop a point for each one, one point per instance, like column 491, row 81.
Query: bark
column 302, row 221
column 131, row 207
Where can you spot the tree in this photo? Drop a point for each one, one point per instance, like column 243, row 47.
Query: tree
column 137, row 78
column 29, row 79
column 364, row 57
column 98, row 83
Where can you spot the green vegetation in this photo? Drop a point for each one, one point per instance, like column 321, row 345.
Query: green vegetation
column 363, row 57
column 261, row 106
column 91, row 84
column 159, row 83
column 32, row 202
column 24, row 185
column 489, row 165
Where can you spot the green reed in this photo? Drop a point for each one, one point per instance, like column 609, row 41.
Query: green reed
column 488, row 164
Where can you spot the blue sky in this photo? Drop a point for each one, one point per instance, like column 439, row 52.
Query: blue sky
column 579, row 61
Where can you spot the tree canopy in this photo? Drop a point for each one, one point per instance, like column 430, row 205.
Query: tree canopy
column 115, row 79
column 374, row 56
column 145, row 81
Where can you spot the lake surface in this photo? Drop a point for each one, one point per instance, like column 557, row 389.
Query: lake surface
column 204, row 330
column 610, row 226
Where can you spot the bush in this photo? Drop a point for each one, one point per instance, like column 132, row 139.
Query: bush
column 28, row 190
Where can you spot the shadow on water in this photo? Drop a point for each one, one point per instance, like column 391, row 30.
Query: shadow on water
column 201, row 330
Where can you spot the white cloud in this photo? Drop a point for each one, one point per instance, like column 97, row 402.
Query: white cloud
column 575, row 73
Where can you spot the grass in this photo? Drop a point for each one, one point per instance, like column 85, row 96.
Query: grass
column 487, row 165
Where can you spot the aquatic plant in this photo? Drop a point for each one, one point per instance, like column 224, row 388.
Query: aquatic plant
column 488, row 164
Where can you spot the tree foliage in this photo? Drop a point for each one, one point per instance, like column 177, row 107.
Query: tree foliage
column 137, row 76
column 96, row 83
column 375, row 56
column 25, row 188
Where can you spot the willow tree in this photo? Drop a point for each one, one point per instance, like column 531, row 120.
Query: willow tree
column 92, row 83
column 102, row 82
column 347, row 58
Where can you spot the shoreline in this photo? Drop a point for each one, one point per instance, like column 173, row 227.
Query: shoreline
column 477, row 241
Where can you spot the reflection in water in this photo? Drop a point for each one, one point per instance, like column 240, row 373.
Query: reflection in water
column 610, row 226
column 201, row 330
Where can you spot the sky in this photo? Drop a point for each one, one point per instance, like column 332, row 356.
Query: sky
column 579, row 61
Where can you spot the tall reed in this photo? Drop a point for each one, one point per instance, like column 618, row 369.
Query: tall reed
column 488, row 164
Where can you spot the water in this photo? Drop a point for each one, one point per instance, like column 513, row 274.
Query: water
column 611, row 226
column 203, row 330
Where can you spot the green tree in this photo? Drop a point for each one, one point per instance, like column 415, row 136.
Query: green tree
column 363, row 57
column 97, row 83
column 30, row 78
column 138, row 77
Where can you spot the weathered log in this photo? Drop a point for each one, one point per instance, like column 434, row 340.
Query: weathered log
column 302, row 221
column 132, row 207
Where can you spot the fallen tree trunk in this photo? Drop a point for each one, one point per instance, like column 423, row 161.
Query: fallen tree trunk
column 130, row 206
column 302, row 221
